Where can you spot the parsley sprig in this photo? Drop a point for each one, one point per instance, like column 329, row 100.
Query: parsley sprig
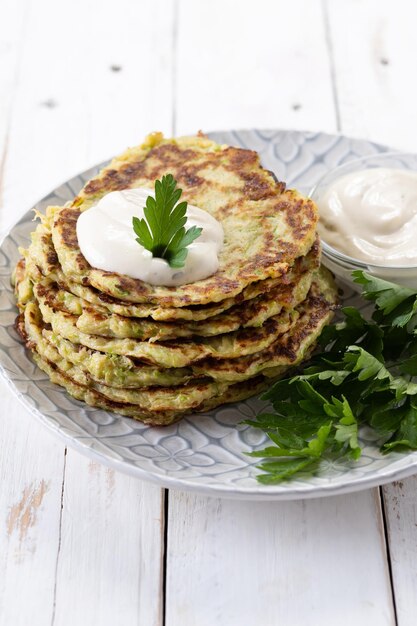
column 162, row 231
column 364, row 376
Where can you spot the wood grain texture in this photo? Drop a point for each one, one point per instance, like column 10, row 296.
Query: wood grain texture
column 110, row 558
column 292, row 563
column 375, row 95
column 78, row 82
column 92, row 81
column 87, row 81
column 262, row 65
column 31, row 462
column 12, row 20
column 31, row 473
column 401, row 514
column 374, row 50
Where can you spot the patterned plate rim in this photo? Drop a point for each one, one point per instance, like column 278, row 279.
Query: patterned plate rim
column 260, row 492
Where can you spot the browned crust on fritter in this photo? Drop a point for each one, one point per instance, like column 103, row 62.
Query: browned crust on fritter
column 252, row 194
column 67, row 223
column 19, row 325
column 282, row 293
column 287, row 346
column 164, row 417
column 20, row 270
column 308, row 263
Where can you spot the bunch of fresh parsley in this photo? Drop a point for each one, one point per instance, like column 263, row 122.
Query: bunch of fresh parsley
column 162, row 231
column 363, row 376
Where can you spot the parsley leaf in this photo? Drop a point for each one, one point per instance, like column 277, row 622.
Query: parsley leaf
column 162, row 230
column 363, row 376
column 387, row 296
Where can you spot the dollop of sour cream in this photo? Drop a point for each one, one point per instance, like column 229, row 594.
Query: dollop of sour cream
column 371, row 215
column 107, row 240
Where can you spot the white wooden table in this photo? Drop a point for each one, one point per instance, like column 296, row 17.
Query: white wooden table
column 79, row 81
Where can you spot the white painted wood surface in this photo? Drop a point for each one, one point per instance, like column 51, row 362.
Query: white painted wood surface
column 245, row 71
column 374, row 48
column 78, row 82
column 401, row 513
column 66, row 106
column 111, row 548
column 277, row 563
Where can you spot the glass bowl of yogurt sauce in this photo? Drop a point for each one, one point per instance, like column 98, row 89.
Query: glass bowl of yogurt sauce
column 368, row 218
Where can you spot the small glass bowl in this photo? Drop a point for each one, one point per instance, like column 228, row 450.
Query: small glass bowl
column 340, row 263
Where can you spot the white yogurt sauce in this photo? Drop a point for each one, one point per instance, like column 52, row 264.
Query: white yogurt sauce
column 108, row 242
column 371, row 215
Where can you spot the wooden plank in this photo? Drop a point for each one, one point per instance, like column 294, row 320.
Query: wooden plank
column 373, row 47
column 401, row 514
column 83, row 93
column 372, row 60
column 31, row 462
column 266, row 563
column 12, row 20
column 307, row 562
column 263, row 66
column 110, row 560
column 31, row 471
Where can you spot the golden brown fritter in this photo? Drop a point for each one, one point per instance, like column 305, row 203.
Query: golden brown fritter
column 266, row 226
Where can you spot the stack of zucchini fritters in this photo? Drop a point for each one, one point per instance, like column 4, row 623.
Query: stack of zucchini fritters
column 156, row 353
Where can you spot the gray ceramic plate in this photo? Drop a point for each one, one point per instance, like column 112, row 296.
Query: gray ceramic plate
column 205, row 452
